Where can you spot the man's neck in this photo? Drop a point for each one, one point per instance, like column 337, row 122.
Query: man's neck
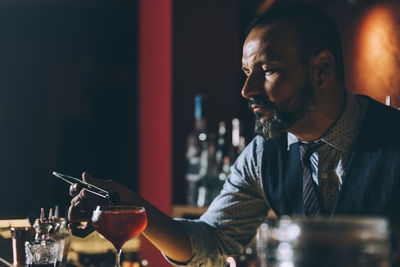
column 315, row 124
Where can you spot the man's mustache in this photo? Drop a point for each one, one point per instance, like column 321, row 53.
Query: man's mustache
column 263, row 101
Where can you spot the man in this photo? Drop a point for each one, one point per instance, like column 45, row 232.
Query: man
column 319, row 149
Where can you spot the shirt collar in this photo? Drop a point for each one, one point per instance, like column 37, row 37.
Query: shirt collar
column 344, row 131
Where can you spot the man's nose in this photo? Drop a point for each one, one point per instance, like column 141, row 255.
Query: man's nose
column 252, row 86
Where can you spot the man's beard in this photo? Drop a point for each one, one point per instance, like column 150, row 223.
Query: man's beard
column 284, row 114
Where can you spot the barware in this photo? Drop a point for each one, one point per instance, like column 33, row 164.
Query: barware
column 111, row 197
column 41, row 254
column 325, row 241
column 118, row 224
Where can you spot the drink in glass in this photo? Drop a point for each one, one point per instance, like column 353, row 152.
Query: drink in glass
column 118, row 224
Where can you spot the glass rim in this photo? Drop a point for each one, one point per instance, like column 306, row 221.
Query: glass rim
column 119, row 208
column 342, row 219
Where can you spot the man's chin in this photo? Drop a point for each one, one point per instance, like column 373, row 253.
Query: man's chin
column 269, row 129
column 266, row 116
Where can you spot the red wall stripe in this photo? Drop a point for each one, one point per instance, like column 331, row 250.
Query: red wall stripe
column 155, row 92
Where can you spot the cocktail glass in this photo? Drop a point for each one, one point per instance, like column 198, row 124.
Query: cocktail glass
column 118, row 224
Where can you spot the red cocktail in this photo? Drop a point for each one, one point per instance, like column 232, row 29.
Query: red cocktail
column 118, row 224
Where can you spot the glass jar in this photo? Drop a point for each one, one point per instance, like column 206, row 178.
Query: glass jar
column 41, row 253
column 62, row 237
column 323, row 241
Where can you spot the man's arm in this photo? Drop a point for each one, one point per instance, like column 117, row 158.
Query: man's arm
column 167, row 235
column 227, row 226
column 162, row 231
column 232, row 219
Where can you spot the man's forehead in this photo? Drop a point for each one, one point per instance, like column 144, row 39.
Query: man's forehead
column 275, row 41
column 283, row 30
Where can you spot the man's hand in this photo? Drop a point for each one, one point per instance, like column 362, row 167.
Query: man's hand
column 165, row 233
column 83, row 203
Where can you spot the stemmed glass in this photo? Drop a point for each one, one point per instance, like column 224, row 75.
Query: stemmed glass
column 118, row 224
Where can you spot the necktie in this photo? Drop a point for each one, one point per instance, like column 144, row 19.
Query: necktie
column 310, row 189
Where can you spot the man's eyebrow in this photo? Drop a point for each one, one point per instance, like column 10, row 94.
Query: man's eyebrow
column 261, row 63
column 273, row 62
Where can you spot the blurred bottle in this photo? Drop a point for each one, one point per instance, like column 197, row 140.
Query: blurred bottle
column 209, row 184
column 197, row 152
column 222, row 154
column 61, row 235
column 218, row 167
column 238, row 141
column 222, row 146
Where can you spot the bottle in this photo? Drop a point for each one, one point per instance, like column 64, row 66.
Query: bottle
column 208, row 183
column 197, row 152
column 238, row 141
column 61, row 235
column 216, row 170
column 222, row 146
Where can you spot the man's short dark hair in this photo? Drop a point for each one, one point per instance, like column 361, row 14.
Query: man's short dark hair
column 314, row 30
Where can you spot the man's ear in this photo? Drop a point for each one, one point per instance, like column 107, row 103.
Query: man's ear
column 323, row 66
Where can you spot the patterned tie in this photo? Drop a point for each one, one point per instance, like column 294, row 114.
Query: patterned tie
column 310, row 190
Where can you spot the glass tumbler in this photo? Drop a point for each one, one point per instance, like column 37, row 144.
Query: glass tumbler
column 322, row 241
column 41, row 254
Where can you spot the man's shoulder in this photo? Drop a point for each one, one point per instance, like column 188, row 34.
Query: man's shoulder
column 381, row 114
column 381, row 123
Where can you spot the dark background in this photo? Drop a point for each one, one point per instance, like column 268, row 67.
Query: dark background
column 68, row 86
column 208, row 36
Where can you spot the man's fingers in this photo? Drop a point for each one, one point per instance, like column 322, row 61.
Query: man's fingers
column 81, row 207
column 80, row 231
column 83, row 203
column 78, row 216
column 74, row 189
column 81, row 197
column 76, row 213
column 104, row 184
